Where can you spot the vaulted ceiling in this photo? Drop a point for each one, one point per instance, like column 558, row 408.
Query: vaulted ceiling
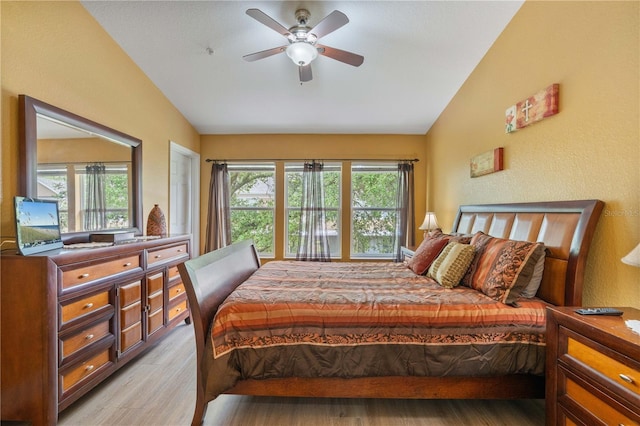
column 417, row 55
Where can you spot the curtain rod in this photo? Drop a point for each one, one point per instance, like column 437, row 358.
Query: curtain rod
column 415, row 160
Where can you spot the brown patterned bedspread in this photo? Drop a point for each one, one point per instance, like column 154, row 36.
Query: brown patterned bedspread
column 360, row 319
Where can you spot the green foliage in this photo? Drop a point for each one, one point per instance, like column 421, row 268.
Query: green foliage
column 373, row 221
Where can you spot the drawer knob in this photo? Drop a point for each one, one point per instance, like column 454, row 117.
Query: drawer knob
column 89, row 367
column 626, row 378
column 88, row 305
column 177, row 290
column 179, row 250
column 158, row 256
column 89, row 336
column 127, row 264
column 83, row 276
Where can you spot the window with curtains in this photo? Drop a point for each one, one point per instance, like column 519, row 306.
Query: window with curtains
column 252, row 205
column 374, row 190
column 332, row 175
column 68, row 184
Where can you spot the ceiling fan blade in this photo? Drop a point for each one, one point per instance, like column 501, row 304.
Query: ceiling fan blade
column 329, row 24
column 341, row 55
column 264, row 54
column 265, row 19
column 305, row 73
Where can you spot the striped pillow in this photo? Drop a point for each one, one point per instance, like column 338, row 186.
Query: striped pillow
column 449, row 268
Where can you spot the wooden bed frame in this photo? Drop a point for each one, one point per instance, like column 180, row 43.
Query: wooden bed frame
column 566, row 228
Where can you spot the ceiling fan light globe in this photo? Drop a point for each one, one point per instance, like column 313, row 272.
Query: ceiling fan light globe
column 301, row 53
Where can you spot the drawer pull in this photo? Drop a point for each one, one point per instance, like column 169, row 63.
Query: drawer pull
column 178, row 290
column 83, row 276
column 89, row 336
column 126, row 264
column 158, row 256
column 88, row 305
column 89, row 367
column 626, row 378
column 179, row 250
column 177, row 309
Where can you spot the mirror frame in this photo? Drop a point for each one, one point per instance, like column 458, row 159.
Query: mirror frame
column 29, row 109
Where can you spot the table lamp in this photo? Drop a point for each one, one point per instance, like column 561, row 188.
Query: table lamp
column 632, row 258
column 429, row 224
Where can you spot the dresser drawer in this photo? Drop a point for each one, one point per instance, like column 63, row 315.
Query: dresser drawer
column 155, row 321
column 155, row 283
column 176, row 291
column 84, row 370
column 614, row 370
column 87, row 273
column 156, row 301
column 72, row 344
column 130, row 293
column 174, row 273
column 130, row 315
column 595, row 406
column 166, row 254
column 178, row 309
column 130, row 336
column 85, row 306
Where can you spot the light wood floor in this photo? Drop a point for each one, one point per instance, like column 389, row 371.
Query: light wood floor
column 159, row 389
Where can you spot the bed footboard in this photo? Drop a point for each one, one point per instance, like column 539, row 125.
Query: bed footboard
column 208, row 280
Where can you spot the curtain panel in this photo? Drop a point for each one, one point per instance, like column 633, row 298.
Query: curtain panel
column 219, row 212
column 405, row 218
column 314, row 241
column 95, row 209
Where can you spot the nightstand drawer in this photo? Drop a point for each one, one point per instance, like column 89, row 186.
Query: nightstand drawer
column 597, row 407
column 615, row 371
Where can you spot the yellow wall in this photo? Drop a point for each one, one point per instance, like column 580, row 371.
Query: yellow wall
column 591, row 149
column 60, row 151
column 319, row 147
column 57, row 53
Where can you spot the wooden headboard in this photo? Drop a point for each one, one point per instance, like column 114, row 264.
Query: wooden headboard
column 565, row 227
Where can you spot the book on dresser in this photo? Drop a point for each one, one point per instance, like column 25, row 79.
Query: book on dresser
column 70, row 318
column 593, row 368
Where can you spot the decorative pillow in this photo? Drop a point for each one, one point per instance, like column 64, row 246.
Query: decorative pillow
column 532, row 287
column 502, row 268
column 426, row 253
column 449, row 268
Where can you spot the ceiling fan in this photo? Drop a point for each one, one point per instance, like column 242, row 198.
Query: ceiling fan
column 303, row 47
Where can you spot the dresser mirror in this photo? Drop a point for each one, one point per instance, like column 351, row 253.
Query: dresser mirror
column 93, row 171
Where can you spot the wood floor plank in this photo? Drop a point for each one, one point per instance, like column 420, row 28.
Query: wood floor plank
column 159, row 389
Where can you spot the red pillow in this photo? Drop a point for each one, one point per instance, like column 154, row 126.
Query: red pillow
column 426, row 253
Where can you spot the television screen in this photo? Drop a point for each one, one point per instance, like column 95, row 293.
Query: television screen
column 37, row 225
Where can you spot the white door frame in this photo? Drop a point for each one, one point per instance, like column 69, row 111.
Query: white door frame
column 175, row 148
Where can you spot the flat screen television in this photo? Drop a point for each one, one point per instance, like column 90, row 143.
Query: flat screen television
column 37, row 225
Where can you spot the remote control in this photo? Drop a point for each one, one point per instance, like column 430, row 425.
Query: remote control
column 599, row 311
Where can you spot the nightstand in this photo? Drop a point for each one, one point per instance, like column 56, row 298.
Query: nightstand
column 407, row 252
column 593, row 368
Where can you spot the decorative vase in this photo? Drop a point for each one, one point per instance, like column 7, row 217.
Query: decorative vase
column 156, row 223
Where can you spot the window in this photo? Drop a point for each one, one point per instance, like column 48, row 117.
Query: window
column 332, row 202
column 374, row 190
column 66, row 183
column 252, row 205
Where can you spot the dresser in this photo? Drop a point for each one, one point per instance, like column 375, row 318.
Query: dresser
column 593, row 368
column 72, row 317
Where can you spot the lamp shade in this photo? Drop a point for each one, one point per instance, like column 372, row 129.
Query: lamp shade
column 430, row 222
column 633, row 258
column 302, row 53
